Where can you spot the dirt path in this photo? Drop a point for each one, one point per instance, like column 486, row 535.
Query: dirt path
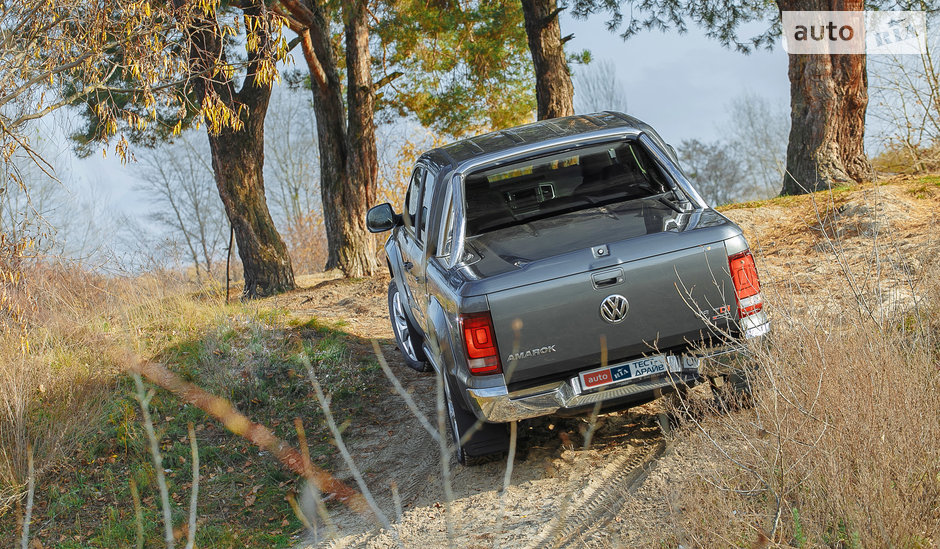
column 614, row 493
column 553, row 474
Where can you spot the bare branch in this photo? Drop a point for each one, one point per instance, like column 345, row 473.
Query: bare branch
column 143, row 397
column 30, row 491
column 194, row 496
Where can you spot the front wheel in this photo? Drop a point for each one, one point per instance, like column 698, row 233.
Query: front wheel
column 406, row 337
column 476, row 441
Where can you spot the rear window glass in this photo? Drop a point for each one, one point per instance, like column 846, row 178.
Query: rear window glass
column 560, row 183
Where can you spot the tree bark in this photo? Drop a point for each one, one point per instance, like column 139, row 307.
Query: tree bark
column 348, row 157
column 238, row 153
column 238, row 162
column 357, row 257
column 828, row 101
column 554, row 92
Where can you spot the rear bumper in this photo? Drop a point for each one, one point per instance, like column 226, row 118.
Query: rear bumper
column 497, row 405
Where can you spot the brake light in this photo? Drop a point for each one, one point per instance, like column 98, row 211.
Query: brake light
column 746, row 283
column 480, row 342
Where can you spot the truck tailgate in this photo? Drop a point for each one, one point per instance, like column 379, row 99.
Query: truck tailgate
column 556, row 327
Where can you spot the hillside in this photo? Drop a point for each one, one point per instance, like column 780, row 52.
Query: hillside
column 851, row 279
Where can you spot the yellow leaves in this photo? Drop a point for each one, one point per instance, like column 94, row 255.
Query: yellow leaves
column 178, row 128
column 149, row 101
column 121, row 149
column 252, row 41
column 267, row 73
column 10, row 277
column 283, row 51
column 208, row 7
column 219, row 115
column 14, row 293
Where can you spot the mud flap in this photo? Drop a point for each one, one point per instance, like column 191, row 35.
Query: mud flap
column 482, row 441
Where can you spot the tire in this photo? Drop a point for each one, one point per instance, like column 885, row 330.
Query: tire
column 406, row 336
column 485, row 442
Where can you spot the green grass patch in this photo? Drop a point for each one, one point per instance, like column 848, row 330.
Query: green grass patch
column 924, row 187
column 256, row 358
column 788, row 201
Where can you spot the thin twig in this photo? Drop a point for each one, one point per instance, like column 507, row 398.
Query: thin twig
column 138, row 514
column 143, row 397
column 396, row 499
column 308, row 473
column 301, row 516
column 592, row 425
column 510, row 460
column 194, row 496
column 30, row 491
column 228, row 261
column 405, row 395
column 445, row 457
column 344, row 452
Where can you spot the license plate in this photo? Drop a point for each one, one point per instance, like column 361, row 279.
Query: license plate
column 635, row 369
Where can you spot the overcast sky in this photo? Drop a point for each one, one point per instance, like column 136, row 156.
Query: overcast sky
column 682, row 84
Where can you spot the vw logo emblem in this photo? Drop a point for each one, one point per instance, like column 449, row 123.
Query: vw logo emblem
column 614, row 308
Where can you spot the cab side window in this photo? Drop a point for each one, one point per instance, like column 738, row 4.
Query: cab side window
column 424, row 220
column 445, row 242
column 413, row 198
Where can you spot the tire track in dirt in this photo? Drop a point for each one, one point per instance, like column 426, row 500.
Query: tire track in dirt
column 557, row 495
column 603, row 501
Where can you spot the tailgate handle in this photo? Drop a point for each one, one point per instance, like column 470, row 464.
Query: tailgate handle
column 607, row 278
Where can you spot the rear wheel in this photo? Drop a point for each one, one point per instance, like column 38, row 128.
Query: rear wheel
column 406, row 337
column 476, row 441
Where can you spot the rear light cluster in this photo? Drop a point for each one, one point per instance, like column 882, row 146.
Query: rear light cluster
column 746, row 284
column 480, row 343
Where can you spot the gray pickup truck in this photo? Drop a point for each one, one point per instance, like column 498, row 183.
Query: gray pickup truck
column 561, row 267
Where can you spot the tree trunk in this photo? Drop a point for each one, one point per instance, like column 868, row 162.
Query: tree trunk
column 554, row 92
column 238, row 154
column 828, row 100
column 348, row 158
column 238, row 161
column 357, row 256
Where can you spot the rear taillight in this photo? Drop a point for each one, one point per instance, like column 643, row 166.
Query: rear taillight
column 480, row 343
column 746, row 284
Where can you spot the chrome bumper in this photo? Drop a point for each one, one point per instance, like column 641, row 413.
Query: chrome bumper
column 498, row 405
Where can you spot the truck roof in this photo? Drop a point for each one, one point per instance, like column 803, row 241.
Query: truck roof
column 529, row 134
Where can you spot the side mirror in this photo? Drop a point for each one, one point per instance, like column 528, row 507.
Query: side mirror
column 382, row 218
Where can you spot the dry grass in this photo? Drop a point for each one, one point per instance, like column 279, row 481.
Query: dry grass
column 909, row 160
column 49, row 365
column 841, row 447
column 66, row 396
column 306, row 240
column 63, row 336
column 839, row 450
